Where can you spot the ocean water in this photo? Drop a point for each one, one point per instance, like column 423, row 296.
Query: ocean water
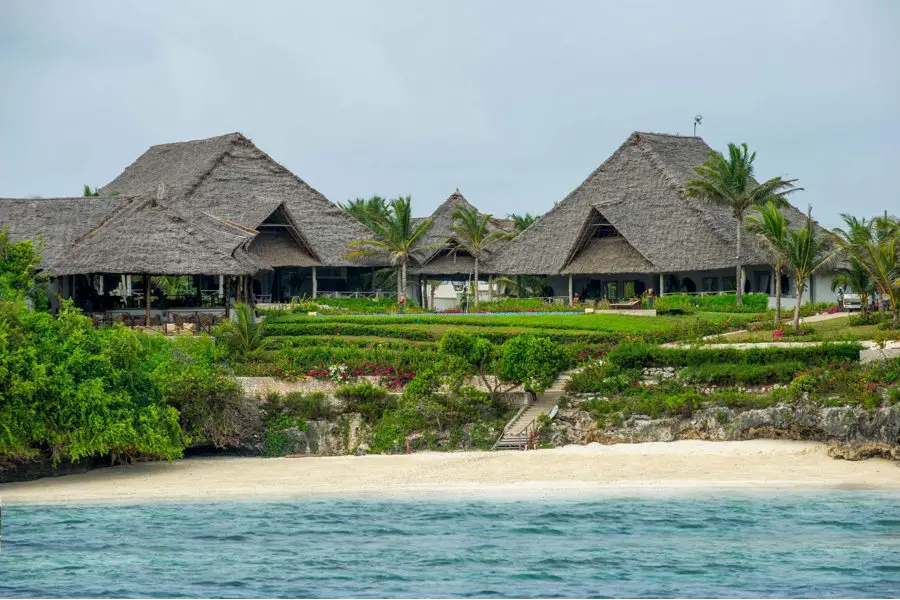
column 822, row 544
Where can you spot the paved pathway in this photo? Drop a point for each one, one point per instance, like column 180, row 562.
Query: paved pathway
column 803, row 321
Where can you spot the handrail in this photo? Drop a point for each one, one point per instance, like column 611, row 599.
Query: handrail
column 509, row 424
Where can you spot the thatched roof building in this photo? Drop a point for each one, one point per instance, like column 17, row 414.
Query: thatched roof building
column 452, row 257
column 230, row 178
column 631, row 215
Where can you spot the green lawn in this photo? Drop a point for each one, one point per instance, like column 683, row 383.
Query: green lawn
column 529, row 323
column 831, row 330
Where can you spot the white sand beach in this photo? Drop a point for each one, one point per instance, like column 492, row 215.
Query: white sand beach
column 623, row 468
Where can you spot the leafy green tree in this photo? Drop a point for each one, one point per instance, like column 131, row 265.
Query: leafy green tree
column 770, row 226
column 729, row 182
column 90, row 192
column 74, row 391
column 397, row 237
column 473, row 232
column 20, row 275
column 805, row 253
column 535, row 362
column 479, row 355
column 367, row 211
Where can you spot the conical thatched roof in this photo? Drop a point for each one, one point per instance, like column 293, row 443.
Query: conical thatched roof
column 639, row 194
column 227, row 176
column 57, row 222
column 145, row 236
column 437, row 261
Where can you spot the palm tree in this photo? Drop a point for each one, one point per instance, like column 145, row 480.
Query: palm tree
column 522, row 222
column 857, row 278
column 397, row 236
column 473, row 232
column 244, row 336
column 805, row 252
column 729, row 182
column 875, row 245
column 366, row 211
column 770, row 227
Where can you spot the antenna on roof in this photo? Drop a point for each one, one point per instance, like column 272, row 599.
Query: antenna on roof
column 161, row 191
column 698, row 120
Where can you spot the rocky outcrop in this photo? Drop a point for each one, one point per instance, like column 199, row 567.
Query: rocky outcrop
column 347, row 434
column 853, row 432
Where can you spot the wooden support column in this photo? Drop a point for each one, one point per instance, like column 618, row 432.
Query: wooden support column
column 661, row 282
column 146, row 300
column 315, row 283
column 490, row 288
column 571, row 292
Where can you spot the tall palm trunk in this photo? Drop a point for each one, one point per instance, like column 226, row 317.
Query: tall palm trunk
column 403, row 277
column 739, row 299
column 777, row 296
column 399, row 284
column 864, row 305
column 800, row 290
column 475, row 295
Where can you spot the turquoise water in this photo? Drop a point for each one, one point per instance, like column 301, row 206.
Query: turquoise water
column 812, row 545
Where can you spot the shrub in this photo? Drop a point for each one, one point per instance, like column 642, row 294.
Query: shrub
column 637, row 356
column 803, row 384
column 745, row 374
column 686, row 304
column 303, row 406
column 368, row 400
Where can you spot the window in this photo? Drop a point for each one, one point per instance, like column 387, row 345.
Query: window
column 710, row 284
column 629, row 290
column 729, row 283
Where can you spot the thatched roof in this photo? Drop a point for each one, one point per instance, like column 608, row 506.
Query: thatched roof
column 57, row 222
column 639, row 193
column 436, row 260
column 228, row 177
column 146, row 236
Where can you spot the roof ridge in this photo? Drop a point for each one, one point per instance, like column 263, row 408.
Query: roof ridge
column 233, row 134
column 672, row 135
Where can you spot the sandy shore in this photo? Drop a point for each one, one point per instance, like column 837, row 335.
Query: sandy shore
column 624, row 468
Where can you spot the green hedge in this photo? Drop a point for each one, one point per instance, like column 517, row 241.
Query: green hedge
column 636, row 356
column 279, row 328
column 741, row 374
column 752, row 303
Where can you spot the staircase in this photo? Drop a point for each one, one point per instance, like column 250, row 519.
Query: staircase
column 517, row 432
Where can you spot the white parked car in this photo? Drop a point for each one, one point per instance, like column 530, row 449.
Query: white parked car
column 852, row 302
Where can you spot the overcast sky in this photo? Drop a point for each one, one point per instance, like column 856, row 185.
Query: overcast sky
column 514, row 103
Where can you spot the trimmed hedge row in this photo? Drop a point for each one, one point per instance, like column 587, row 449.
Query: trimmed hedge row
column 741, row 374
column 752, row 303
column 638, row 356
column 276, row 328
